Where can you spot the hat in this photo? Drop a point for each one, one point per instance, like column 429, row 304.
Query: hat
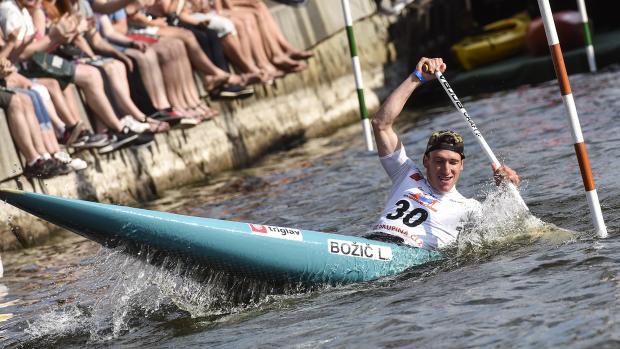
column 445, row 139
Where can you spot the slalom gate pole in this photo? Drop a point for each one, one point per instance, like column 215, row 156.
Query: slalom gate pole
column 357, row 73
column 587, row 35
column 472, row 126
column 571, row 109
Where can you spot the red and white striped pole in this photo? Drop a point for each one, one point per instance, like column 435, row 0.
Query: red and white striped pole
column 569, row 103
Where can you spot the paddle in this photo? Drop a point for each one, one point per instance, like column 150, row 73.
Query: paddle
column 472, row 126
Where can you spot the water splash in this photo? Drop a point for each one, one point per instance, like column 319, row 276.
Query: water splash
column 129, row 291
column 502, row 223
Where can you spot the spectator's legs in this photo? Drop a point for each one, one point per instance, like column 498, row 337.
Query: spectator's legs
column 151, row 75
column 89, row 80
column 251, row 38
column 39, row 115
column 278, row 57
column 46, row 101
column 20, row 127
column 72, row 101
column 34, row 127
column 67, row 115
column 117, row 75
column 213, row 76
column 183, row 69
column 274, row 29
column 242, row 33
column 191, row 93
column 170, row 53
column 232, row 50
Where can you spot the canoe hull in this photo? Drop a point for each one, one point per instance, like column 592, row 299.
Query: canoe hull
column 252, row 250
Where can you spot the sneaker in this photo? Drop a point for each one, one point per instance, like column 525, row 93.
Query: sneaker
column 39, row 169
column 88, row 139
column 45, row 169
column 119, row 140
column 174, row 119
column 75, row 164
column 135, row 125
column 57, row 167
column 144, row 138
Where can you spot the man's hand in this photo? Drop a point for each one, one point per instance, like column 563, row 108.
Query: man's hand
column 504, row 172
column 428, row 67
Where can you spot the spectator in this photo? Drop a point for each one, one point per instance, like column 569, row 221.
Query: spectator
column 157, row 83
column 176, row 68
column 18, row 29
column 27, row 135
column 268, row 42
column 208, row 26
column 114, row 67
column 212, row 76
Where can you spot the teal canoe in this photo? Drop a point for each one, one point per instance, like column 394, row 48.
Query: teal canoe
column 257, row 251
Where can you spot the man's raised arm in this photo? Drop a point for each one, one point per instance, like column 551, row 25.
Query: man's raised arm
column 387, row 140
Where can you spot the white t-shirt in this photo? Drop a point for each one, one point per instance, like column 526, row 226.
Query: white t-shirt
column 415, row 212
column 13, row 18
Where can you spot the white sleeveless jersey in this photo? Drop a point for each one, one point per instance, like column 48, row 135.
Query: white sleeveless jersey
column 415, row 212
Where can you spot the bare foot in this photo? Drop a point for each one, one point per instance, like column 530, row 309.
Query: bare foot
column 284, row 62
column 212, row 82
column 251, row 78
column 299, row 55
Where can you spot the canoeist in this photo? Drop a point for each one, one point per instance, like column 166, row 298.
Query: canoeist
column 424, row 211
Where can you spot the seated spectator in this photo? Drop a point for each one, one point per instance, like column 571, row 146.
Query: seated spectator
column 42, row 160
column 164, row 85
column 113, row 66
column 19, row 34
column 210, row 28
column 212, row 76
column 269, row 45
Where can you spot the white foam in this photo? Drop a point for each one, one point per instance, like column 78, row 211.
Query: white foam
column 501, row 220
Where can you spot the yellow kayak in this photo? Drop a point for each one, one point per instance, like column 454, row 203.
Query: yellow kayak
column 500, row 39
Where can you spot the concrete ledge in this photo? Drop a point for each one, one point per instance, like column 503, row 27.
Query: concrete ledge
column 310, row 104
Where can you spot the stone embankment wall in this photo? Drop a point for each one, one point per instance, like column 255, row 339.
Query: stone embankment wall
column 308, row 104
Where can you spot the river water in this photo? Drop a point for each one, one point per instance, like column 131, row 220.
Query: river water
column 558, row 290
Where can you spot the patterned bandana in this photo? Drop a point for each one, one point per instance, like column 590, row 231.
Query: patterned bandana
column 445, row 139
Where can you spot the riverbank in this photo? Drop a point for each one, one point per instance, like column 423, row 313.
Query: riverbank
column 315, row 102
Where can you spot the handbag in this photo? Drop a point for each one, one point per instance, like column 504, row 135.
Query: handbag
column 45, row 65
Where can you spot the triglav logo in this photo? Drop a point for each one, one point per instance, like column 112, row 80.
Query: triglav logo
column 258, row 228
column 276, row 232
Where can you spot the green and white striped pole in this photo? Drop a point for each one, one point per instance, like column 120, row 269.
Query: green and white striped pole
column 357, row 73
column 587, row 35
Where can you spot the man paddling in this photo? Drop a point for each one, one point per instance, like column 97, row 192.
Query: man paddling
column 424, row 211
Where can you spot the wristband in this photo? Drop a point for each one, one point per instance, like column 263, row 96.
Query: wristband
column 419, row 75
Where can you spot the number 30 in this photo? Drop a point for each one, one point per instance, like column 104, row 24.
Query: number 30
column 408, row 219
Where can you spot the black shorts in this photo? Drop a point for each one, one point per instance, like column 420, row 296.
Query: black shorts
column 383, row 237
column 5, row 97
